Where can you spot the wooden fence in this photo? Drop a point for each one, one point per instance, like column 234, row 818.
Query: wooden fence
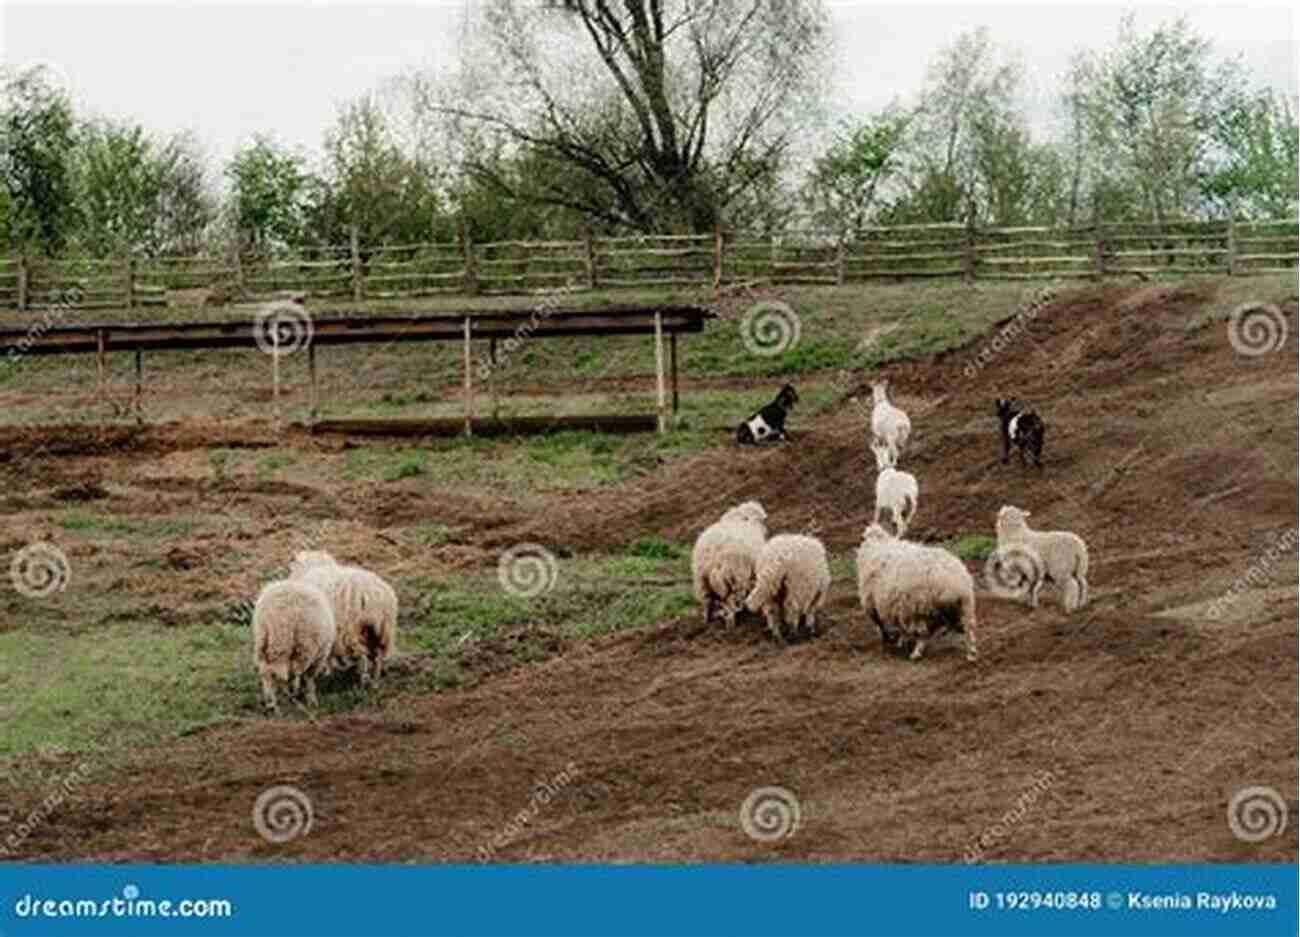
column 464, row 267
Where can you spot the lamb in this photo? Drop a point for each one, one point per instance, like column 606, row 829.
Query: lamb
column 912, row 592
column 365, row 608
column 1021, row 427
column 722, row 563
column 294, row 631
column 1057, row 556
column 896, row 491
column 791, row 580
column 889, row 424
column 768, row 423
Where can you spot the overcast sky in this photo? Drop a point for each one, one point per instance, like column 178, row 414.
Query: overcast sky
column 227, row 71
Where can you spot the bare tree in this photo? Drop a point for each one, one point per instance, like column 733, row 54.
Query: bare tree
column 662, row 112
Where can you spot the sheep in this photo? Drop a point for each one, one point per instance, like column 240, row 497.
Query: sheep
column 768, row 422
column 1057, row 556
column 722, row 563
column 896, row 491
column 791, row 580
column 1021, row 427
column 912, row 592
column 889, row 424
column 365, row 608
column 294, row 631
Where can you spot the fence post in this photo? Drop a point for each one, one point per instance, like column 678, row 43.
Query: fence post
column 589, row 242
column 718, row 247
column 240, row 284
column 130, row 282
column 968, row 256
column 23, row 282
column 471, row 269
column 839, row 262
column 358, row 293
column 1100, row 247
column 1232, row 246
column 469, row 383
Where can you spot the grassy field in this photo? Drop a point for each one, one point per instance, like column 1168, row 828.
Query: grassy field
column 149, row 640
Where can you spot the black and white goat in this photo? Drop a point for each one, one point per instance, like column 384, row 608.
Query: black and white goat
column 1022, row 428
column 768, row 423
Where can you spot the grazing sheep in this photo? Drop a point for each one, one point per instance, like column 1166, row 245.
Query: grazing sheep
column 889, row 425
column 1021, row 427
column 896, row 492
column 293, row 636
column 768, row 423
column 365, row 608
column 1057, row 556
column 912, row 592
column 791, row 580
column 722, row 563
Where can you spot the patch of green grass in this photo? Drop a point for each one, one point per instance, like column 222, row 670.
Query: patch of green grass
column 431, row 534
column 407, row 466
column 972, row 546
column 655, row 548
column 108, row 525
column 270, row 463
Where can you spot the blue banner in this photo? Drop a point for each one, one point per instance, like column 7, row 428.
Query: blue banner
column 572, row 901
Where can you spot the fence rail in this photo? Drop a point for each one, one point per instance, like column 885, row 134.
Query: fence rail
column 463, row 267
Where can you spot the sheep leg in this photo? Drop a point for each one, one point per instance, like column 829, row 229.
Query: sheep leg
column 919, row 649
column 1083, row 591
column 309, row 690
column 377, row 666
column 774, row 623
column 268, row 692
column 363, row 668
column 1033, row 592
column 968, row 626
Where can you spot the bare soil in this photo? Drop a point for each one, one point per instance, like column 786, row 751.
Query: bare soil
column 1175, row 458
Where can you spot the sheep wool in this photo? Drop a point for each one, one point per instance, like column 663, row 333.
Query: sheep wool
column 365, row 608
column 723, row 560
column 293, row 637
column 896, row 492
column 912, row 592
column 890, row 426
column 1058, row 556
column 791, row 580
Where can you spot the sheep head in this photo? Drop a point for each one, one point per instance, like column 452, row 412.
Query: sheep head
column 750, row 512
column 304, row 560
column 787, row 397
column 1011, row 519
column 880, row 389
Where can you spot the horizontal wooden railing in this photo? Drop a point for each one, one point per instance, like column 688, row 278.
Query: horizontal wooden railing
column 463, row 267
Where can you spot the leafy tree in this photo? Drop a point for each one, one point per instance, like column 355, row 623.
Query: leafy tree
column 268, row 194
column 1252, row 167
column 36, row 140
column 842, row 187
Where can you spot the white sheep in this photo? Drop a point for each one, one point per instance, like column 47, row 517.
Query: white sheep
column 293, row 637
column 791, row 580
column 365, row 608
column 889, row 425
column 896, row 491
column 912, row 592
column 722, row 563
column 1057, row 556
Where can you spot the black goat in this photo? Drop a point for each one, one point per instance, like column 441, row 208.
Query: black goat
column 1023, row 428
column 768, row 423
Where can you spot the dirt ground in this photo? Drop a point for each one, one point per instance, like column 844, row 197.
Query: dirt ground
column 1134, row 720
